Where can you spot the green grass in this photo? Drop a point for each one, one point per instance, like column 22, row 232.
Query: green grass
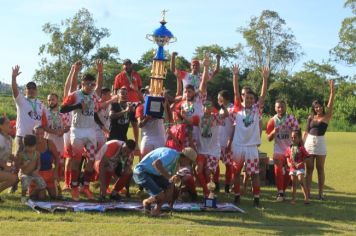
column 336, row 215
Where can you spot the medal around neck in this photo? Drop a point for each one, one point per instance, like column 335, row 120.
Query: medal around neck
column 154, row 102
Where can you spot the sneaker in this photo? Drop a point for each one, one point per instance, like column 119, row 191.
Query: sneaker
column 115, row 196
column 280, row 197
column 227, row 188
column 75, row 194
column 237, row 200
column 24, row 200
column 86, row 191
column 66, row 188
column 256, row 202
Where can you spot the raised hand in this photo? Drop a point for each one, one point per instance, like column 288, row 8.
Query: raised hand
column 174, row 54
column 77, row 66
column 218, row 57
column 235, row 70
column 265, row 72
column 331, row 85
column 99, row 65
column 16, row 71
column 206, row 60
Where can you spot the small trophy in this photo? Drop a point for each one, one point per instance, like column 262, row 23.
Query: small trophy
column 154, row 102
column 210, row 201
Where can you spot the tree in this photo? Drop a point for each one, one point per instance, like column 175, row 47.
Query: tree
column 345, row 50
column 74, row 39
column 270, row 42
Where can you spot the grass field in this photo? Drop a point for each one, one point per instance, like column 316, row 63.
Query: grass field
column 336, row 215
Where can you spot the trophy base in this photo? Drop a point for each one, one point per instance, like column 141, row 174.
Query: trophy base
column 154, row 106
column 210, row 202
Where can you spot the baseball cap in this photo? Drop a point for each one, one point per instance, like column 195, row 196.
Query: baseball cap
column 31, row 84
column 189, row 153
column 127, row 61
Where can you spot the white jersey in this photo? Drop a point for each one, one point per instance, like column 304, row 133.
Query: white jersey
column 189, row 79
column 104, row 116
column 209, row 135
column 247, row 126
column 29, row 114
column 226, row 127
column 83, row 118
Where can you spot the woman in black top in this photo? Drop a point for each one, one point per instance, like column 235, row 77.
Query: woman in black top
column 315, row 141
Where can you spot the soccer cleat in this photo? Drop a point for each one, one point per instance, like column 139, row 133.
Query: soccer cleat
column 115, row 196
column 86, row 191
column 237, row 200
column 227, row 188
column 13, row 189
column 280, row 197
column 75, row 194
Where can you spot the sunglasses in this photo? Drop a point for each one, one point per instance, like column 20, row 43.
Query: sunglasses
column 91, row 84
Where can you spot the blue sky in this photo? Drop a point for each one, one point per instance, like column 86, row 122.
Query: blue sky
column 315, row 24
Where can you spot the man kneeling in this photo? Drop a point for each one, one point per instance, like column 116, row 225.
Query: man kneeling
column 155, row 173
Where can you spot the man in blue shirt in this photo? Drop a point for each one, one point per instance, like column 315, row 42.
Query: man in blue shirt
column 156, row 173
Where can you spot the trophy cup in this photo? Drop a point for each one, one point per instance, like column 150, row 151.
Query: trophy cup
column 154, row 102
column 210, row 201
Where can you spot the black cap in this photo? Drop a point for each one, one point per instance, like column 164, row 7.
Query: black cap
column 127, row 61
column 31, row 84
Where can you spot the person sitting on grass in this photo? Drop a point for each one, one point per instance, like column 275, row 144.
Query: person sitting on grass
column 29, row 163
column 7, row 178
column 156, row 174
column 296, row 155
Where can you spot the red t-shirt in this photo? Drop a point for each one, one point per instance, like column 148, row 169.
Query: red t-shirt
column 299, row 157
column 122, row 80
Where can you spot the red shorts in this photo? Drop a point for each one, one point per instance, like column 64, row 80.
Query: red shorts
column 47, row 176
column 208, row 161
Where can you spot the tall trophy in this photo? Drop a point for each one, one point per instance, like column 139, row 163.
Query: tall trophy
column 154, row 102
column 210, row 201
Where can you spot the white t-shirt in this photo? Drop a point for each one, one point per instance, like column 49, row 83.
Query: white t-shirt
column 188, row 78
column 247, row 126
column 30, row 113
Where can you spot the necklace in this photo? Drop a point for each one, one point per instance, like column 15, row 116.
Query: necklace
column 248, row 120
column 55, row 117
column 194, row 80
column 281, row 121
column 205, row 125
column 33, row 105
column 294, row 152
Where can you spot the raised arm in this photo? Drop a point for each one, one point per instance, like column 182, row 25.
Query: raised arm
column 217, row 66
column 265, row 75
column 331, row 99
column 235, row 82
column 74, row 79
column 99, row 80
column 15, row 73
column 205, row 76
column 66, row 89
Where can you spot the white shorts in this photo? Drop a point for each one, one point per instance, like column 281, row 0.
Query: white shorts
column 151, row 143
column 247, row 155
column 315, row 145
column 297, row 172
column 58, row 141
column 83, row 139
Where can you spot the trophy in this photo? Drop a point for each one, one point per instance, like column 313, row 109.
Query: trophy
column 154, row 102
column 210, row 201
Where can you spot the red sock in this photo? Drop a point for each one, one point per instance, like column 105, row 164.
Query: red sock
column 228, row 174
column 279, row 177
column 74, row 175
column 256, row 191
column 202, row 181
column 121, row 182
column 67, row 177
column 217, row 175
column 190, row 184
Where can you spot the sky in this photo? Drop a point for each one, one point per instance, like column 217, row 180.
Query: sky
column 315, row 23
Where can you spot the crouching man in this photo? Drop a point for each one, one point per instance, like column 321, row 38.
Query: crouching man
column 156, row 174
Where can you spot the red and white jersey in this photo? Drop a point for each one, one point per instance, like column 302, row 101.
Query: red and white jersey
column 83, row 118
column 56, row 120
column 189, row 78
column 30, row 112
column 226, row 127
column 111, row 149
column 247, row 126
column 154, row 128
column 208, row 127
column 282, row 138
